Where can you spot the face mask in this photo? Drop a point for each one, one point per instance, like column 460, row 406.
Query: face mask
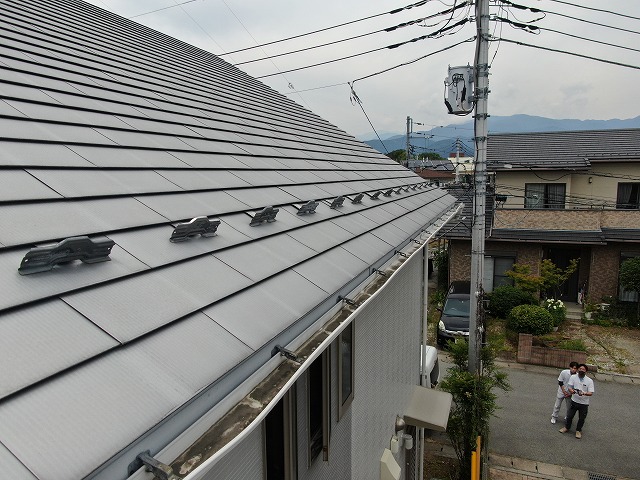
column 581, row 374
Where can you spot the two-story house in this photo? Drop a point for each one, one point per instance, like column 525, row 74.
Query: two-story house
column 560, row 195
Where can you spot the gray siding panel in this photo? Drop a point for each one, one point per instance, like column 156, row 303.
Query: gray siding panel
column 16, row 185
column 11, row 466
column 41, row 222
column 135, row 306
column 42, row 340
column 256, row 316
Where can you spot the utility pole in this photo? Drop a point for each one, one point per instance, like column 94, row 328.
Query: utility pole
column 408, row 139
column 458, row 160
column 481, row 68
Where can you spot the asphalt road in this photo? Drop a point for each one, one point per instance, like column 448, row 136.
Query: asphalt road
column 610, row 441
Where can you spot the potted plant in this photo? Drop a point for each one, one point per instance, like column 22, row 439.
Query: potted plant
column 589, row 308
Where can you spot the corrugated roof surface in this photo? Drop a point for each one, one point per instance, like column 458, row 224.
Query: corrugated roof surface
column 117, row 132
column 562, row 150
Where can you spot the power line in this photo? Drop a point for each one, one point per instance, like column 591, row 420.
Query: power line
column 272, row 62
column 383, row 30
column 160, row 9
column 539, row 10
column 596, row 9
column 611, row 62
column 414, row 60
column 391, row 12
column 533, row 28
column 356, row 99
column 316, row 88
column 413, row 40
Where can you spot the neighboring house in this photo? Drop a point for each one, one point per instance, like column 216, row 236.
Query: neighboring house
column 559, row 196
column 464, row 167
column 251, row 298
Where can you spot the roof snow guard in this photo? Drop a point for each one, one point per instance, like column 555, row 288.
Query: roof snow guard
column 120, row 146
column 43, row 259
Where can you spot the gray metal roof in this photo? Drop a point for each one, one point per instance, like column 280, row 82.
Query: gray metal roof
column 116, row 132
column 571, row 150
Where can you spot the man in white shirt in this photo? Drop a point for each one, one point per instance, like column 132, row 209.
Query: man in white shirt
column 581, row 388
column 563, row 390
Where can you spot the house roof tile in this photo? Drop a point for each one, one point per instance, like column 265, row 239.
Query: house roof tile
column 569, row 150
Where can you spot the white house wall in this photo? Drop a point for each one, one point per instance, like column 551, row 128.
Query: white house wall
column 387, row 345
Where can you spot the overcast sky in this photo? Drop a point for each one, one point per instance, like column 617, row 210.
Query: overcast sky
column 523, row 79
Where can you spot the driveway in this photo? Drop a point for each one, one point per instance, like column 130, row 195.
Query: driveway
column 611, row 436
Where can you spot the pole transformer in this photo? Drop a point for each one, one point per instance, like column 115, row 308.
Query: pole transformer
column 481, row 68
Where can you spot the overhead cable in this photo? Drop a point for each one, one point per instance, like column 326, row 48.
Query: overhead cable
column 160, row 9
column 472, row 39
column 502, row 39
column 535, row 29
column 596, row 9
column 391, row 12
column 539, row 10
column 396, row 45
column 388, row 29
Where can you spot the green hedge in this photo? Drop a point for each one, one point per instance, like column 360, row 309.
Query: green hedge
column 504, row 298
column 530, row 319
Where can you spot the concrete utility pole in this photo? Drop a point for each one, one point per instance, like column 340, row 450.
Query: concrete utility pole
column 458, row 160
column 408, row 139
column 481, row 64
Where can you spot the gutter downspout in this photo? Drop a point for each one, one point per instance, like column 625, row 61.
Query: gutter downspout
column 204, row 468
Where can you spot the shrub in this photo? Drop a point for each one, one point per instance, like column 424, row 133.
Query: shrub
column 557, row 310
column 504, row 298
column 573, row 345
column 530, row 319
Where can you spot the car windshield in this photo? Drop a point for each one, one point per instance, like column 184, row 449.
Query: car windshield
column 457, row 307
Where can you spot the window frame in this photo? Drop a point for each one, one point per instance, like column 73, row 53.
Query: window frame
column 287, row 405
column 492, row 257
column 345, row 402
column 634, row 194
column 546, row 195
column 320, row 367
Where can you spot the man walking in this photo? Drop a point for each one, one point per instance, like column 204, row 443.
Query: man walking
column 581, row 388
column 563, row 389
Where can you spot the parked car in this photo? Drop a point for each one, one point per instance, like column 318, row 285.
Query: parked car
column 431, row 366
column 454, row 318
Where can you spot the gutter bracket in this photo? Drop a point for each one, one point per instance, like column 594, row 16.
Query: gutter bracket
column 288, row 354
column 160, row 470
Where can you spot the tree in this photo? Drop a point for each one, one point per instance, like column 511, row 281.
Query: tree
column 524, row 279
column 399, row 155
column 430, row 156
column 553, row 277
column 630, row 277
column 474, row 402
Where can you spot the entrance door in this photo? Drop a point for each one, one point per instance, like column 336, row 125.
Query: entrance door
column 561, row 256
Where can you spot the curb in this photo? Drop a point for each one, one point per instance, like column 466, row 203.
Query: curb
column 503, row 467
column 600, row 376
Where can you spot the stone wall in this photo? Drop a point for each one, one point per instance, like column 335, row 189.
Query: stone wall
column 550, row 357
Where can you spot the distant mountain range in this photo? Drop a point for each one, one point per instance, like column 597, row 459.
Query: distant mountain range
column 443, row 140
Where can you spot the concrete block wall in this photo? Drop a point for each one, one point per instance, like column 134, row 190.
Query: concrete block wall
column 550, row 357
